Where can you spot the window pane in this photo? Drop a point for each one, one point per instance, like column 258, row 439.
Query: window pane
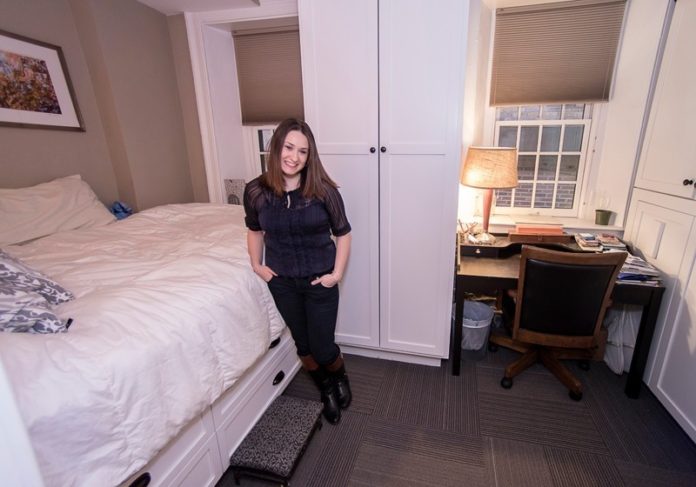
column 572, row 139
column 503, row 198
column 523, row 196
column 544, row 196
column 264, row 139
column 551, row 112
column 507, row 137
column 569, row 168
column 525, row 167
column 547, row 167
column 564, row 196
column 263, row 162
column 574, row 112
column 529, row 139
column 506, row 113
column 530, row 112
column 550, row 138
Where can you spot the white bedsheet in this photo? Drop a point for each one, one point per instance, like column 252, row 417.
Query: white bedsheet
column 168, row 314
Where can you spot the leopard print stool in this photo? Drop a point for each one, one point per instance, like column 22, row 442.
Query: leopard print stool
column 275, row 444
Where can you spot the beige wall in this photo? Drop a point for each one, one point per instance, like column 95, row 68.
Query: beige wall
column 119, row 54
column 187, row 97
column 31, row 156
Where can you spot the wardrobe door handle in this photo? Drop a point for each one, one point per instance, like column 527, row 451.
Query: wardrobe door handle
column 383, row 149
column 688, row 182
column 372, row 150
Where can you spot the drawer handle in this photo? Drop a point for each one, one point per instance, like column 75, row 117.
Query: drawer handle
column 141, row 481
column 278, row 378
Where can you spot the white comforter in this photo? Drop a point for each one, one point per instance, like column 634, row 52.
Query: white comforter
column 168, row 314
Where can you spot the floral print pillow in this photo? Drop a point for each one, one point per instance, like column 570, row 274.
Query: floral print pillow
column 21, row 277
column 27, row 311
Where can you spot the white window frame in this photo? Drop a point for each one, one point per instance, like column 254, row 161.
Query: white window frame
column 583, row 164
column 252, row 150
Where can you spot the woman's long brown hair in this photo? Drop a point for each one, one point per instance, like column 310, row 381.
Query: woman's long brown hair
column 314, row 178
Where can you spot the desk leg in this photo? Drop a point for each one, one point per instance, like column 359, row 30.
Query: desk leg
column 648, row 320
column 456, row 344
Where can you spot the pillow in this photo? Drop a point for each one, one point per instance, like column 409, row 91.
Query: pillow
column 19, row 276
column 62, row 204
column 26, row 311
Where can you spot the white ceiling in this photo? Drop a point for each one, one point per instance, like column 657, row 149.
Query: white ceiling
column 171, row 7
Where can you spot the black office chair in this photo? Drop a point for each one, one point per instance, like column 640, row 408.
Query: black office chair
column 560, row 304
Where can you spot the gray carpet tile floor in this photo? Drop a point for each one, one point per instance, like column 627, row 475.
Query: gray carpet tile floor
column 412, row 425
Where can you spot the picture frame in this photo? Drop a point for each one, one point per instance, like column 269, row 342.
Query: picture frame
column 35, row 88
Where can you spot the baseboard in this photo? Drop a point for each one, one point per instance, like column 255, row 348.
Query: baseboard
column 395, row 356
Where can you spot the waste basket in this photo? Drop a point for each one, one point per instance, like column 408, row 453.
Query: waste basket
column 476, row 323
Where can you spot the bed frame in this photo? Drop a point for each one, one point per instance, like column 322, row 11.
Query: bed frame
column 200, row 454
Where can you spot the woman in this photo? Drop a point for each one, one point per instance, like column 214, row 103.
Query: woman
column 292, row 210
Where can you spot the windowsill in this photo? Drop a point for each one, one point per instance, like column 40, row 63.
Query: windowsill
column 505, row 223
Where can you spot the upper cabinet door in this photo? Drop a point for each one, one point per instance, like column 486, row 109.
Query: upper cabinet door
column 668, row 157
column 339, row 73
column 420, row 48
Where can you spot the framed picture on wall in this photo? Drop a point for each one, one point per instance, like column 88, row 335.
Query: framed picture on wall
column 35, row 89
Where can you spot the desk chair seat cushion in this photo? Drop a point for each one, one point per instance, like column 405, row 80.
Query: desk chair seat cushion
column 571, row 305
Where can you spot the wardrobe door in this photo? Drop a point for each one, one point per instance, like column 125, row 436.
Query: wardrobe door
column 338, row 42
column 668, row 158
column 422, row 50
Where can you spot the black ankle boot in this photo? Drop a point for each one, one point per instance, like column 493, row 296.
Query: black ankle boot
column 343, row 393
column 332, row 411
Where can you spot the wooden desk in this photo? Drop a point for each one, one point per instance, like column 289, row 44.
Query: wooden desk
column 488, row 275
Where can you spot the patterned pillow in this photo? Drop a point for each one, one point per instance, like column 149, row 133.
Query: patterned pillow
column 27, row 311
column 23, row 278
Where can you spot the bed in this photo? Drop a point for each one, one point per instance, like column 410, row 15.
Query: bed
column 168, row 355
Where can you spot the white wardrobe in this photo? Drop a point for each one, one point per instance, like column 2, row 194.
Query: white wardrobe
column 662, row 217
column 383, row 89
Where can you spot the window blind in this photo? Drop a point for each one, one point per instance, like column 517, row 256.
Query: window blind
column 555, row 53
column 269, row 75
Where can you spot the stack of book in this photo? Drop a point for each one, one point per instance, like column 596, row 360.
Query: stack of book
column 609, row 241
column 637, row 271
column 588, row 242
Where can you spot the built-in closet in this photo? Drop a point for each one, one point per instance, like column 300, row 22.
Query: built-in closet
column 662, row 216
column 383, row 89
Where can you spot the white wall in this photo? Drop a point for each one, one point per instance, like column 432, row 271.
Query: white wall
column 619, row 131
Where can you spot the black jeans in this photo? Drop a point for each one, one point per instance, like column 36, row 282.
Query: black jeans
column 310, row 312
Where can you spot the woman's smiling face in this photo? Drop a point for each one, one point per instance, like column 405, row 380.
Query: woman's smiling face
column 293, row 156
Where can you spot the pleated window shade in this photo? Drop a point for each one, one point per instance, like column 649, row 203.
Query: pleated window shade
column 555, row 53
column 270, row 76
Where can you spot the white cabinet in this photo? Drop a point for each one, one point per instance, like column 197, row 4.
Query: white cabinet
column 663, row 227
column 668, row 156
column 383, row 90
column 662, row 218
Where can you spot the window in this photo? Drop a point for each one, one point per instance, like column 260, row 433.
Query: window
column 258, row 140
column 551, row 142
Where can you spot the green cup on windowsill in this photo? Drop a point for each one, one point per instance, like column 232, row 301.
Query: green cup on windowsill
column 602, row 217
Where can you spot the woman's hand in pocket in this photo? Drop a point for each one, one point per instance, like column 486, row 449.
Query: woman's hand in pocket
column 265, row 272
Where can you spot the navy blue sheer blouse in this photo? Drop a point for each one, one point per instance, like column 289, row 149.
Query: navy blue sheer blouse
column 297, row 231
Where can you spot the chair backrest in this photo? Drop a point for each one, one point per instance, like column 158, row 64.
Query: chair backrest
column 562, row 296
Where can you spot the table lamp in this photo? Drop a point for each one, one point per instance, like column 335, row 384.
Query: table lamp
column 489, row 168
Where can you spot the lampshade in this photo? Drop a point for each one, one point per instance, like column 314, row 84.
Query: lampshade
column 489, row 168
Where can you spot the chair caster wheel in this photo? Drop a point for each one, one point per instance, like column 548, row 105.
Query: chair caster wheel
column 584, row 364
column 506, row 382
column 492, row 347
column 575, row 396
